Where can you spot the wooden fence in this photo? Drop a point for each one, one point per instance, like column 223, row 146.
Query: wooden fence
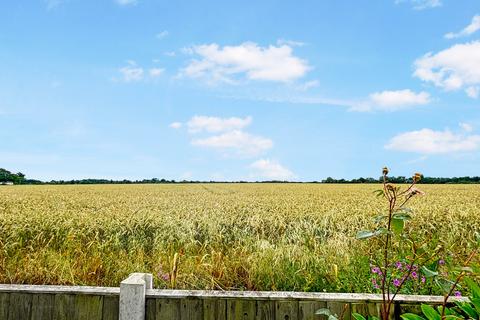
column 136, row 300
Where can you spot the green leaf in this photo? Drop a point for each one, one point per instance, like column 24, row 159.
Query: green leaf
column 466, row 269
column 323, row 311
column 444, row 284
column 365, row 234
column 379, row 192
column 402, row 216
column 474, row 288
column 468, row 310
column 358, row 316
column 381, row 231
column 476, row 304
column 379, row 218
column 428, row 273
column 398, row 225
column 430, row 313
column 411, row 316
column 373, row 318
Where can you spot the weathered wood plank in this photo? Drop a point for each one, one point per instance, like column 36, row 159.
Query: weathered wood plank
column 307, row 309
column 110, row 308
column 167, row 309
column 238, row 309
column 20, row 306
column 24, row 288
column 279, row 295
column 89, row 307
column 4, row 305
column 151, row 310
column 265, row 310
column 286, row 310
column 42, row 306
column 64, row 308
column 191, row 309
column 214, row 309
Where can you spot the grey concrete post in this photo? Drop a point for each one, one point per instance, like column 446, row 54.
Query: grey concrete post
column 132, row 296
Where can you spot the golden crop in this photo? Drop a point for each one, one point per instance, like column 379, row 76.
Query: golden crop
column 226, row 236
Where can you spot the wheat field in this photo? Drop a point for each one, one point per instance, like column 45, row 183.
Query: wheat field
column 224, row 236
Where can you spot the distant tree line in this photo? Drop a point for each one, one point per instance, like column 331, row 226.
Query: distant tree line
column 19, row 178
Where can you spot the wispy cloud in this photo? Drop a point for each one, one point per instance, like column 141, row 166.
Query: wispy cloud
column 239, row 142
column 53, row 4
column 216, row 124
column 473, row 27
column 421, row 4
column 247, row 61
column 162, row 34
column 393, row 100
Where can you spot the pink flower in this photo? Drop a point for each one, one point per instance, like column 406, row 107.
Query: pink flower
column 396, row 282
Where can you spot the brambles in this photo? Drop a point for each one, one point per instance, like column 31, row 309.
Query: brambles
column 229, row 236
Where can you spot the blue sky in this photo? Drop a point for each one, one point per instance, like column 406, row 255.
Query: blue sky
column 246, row 90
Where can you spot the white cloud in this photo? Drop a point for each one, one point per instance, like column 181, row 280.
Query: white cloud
column 162, row 34
column 131, row 72
column 126, row 2
column 422, row 4
column 229, row 63
column 453, row 68
column 156, row 72
column 216, row 124
column 473, row 27
column 466, row 127
column 473, row 92
column 170, row 53
column 242, row 143
column 291, row 43
column 428, row 141
column 272, row 170
column 307, row 85
column 392, row 100
column 175, row 125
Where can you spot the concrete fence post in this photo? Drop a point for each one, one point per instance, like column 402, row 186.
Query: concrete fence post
column 132, row 296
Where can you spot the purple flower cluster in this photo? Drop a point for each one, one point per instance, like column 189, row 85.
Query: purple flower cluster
column 398, row 271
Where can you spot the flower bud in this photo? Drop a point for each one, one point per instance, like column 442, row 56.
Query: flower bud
column 417, row 177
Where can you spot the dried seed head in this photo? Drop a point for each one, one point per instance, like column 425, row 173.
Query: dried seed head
column 385, row 171
column 417, row 177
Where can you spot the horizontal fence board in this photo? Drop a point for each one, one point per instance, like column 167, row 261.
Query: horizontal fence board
column 287, row 295
column 33, row 302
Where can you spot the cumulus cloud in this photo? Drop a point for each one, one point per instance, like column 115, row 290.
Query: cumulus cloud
column 422, row 4
column 175, row 125
column 473, row 27
column 392, row 100
column 245, row 61
column 216, row 124
column 240, row 142
column 272, row 170
column 428, row 141
column 452, row 69
column 126, row 2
